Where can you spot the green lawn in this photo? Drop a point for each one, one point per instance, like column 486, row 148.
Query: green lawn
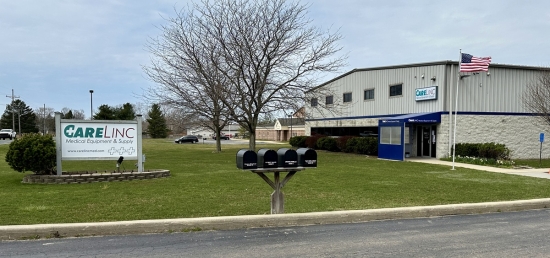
column 204, row 183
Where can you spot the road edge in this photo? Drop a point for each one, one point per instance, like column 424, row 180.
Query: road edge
column 38, row 231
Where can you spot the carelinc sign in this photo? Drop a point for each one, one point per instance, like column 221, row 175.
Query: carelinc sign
column 99, row 140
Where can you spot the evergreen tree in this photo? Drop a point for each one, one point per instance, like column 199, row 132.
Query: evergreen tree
column 69, row 115
column 105, row 113
column 157, row 123
column 24, row 116
column 126, row 112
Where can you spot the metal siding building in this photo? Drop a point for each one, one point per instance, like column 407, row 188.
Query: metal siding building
column 487, row 104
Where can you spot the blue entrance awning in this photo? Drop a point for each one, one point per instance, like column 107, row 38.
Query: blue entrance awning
column 426, row 118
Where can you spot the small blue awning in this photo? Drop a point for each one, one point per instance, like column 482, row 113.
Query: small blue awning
column 420, row 118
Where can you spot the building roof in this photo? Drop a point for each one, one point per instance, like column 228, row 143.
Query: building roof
column 295, row 121
column 446, row 62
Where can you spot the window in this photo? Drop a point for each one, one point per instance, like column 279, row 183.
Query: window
column 314, row 102
column 396, row 90
column 369, row 94
column 347, row 97
column 390, row 135
column 329, row 100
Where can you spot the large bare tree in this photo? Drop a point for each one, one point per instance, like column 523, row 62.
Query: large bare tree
column 247, row 57
column 536, row 97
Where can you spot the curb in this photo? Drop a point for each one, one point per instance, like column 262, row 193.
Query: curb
column 19, row 232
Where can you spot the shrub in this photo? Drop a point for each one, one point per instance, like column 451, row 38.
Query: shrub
column 327, row 143
column 298, row 141
column 483, row 150
column 494, row 151
column 311, row 141
column 467, row 149
column 32, row 152
column 367, row 145
column 351, row 144
column 342, row 143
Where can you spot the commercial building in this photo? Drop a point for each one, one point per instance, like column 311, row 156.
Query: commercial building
column 411, row 108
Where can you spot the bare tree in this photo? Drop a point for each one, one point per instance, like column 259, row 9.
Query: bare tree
column 45, row 120
column 185, row 66
column 76, row 114
column 536, row 97
column 249, row 58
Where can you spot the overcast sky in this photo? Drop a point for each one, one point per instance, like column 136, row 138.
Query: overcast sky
column 53, row 52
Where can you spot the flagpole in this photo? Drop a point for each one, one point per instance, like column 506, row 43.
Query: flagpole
column 456, row 107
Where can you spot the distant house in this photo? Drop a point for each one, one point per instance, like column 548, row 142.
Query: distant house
column 282, row 129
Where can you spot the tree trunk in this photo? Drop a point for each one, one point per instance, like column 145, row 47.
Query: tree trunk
column 252, row 141
column 218, row 141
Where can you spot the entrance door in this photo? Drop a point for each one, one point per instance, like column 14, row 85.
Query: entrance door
column 426, row 140
column 433, row 140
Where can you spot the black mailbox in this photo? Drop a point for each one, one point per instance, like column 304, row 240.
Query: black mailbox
column 267, row 158
column 247, row 159
column 307, row 157
column 287, row 157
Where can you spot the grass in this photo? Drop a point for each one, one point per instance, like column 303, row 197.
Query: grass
column 534, row 163
column 204, row 183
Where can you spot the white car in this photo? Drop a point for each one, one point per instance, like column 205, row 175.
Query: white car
column 7, row 133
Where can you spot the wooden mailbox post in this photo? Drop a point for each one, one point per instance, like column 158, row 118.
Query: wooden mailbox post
column 283, row 161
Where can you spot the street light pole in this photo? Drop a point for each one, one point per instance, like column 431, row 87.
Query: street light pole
column 290, row 127
column 91, row 105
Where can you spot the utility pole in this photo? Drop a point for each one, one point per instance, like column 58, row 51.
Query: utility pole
column 13, row 97
column 44, row 119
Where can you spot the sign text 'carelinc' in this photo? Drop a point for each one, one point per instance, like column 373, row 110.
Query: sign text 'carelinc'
column 71, row 131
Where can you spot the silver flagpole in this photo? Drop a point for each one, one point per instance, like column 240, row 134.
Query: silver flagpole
column 456, row 108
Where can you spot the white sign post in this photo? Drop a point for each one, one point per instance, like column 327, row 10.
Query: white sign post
column 98, row 140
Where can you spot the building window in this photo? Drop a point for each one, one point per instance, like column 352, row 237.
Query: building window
column 396, row 90
column 369, row 94
column 329, row 100
column 347, row 97
column 390, row 135
column 314, row 102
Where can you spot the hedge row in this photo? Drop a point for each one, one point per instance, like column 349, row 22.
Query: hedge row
column 350, row 144
column 489, row 150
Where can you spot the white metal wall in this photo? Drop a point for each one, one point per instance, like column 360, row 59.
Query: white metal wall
column 499, row 90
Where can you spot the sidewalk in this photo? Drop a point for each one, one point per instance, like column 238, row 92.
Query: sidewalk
column 532, row 172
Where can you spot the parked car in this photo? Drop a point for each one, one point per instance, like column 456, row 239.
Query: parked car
column 187, row 138
column 223, row 137
column 7, row 133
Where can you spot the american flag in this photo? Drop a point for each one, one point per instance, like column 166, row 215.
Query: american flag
column 471, row 63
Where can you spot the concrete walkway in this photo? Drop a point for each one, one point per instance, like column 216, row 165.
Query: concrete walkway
column 532, row 172
column 18, row 232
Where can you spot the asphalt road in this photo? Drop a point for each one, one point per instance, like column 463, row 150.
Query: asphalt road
column 7, row 141
column 510, row 234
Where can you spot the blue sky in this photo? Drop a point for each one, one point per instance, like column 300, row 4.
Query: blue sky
column 53, row 52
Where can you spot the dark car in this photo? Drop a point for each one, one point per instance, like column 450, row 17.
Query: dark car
column 187, row 138
column 223, row 137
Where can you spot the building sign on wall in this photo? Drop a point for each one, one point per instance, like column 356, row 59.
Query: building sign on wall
column 428, row 93
column 99, row 140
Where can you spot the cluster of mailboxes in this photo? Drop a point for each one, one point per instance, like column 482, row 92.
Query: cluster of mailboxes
column 282, row 158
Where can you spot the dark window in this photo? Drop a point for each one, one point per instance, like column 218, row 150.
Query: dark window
column 369, row 94
column 314, row 102
column 347, row 97
column 328, row 100
column 396, row 90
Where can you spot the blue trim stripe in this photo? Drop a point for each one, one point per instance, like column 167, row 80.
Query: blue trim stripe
column 441, row 112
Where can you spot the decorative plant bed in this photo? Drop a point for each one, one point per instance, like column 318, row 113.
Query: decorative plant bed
column 85, row 177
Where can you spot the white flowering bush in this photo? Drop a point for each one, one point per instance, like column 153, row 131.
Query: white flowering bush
column 482, row 161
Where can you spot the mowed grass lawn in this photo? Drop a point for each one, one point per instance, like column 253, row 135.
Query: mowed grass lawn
column 204, row 183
